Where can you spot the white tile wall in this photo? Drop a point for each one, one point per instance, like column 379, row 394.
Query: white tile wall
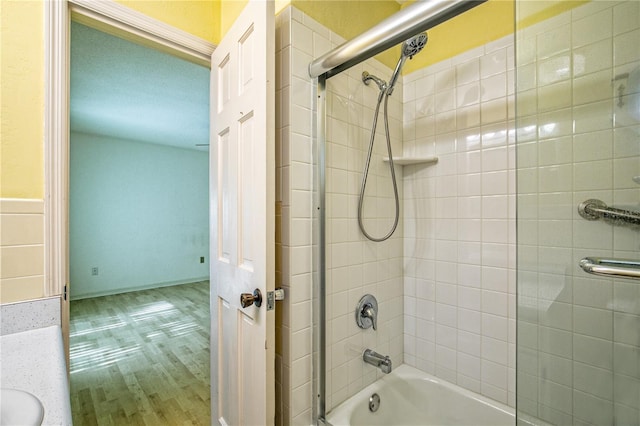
column 298, row 40
column 21, row 250
column 355, row 265
column 578, row 337
column 459, row 242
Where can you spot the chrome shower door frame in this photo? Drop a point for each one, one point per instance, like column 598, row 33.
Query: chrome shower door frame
column 319, row 249
column 415, row 18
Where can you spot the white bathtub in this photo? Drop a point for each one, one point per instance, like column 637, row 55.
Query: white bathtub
column 410, row 397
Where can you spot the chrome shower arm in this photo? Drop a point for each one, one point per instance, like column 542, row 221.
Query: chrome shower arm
column 382, row 85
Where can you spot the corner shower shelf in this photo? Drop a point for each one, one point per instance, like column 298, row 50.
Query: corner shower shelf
column 407, row 161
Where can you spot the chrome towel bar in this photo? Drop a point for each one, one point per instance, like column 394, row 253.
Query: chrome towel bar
column 595, row 209
column 622, row 268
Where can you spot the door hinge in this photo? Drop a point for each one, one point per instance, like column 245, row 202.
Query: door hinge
column 65, row 292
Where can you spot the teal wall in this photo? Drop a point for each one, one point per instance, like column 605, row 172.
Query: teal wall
column 139, row 212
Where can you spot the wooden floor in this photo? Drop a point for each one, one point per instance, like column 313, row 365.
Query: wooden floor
column 141, row 358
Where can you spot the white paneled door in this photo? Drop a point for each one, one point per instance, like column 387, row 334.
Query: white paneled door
column 243, row 217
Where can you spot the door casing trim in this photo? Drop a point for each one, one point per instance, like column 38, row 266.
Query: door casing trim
column 114, row 18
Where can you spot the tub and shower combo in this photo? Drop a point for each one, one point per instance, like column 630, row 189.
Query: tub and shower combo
column 415, row 227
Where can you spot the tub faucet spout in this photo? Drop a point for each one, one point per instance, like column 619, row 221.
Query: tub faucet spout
column 383, row 362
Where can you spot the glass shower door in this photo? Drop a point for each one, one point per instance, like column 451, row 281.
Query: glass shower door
column 578, row 140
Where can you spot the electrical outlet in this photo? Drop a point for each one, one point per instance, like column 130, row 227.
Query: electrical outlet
column 201, row 259
column 94, row 270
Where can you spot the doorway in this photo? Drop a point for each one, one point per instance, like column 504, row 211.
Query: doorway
column 138, row 232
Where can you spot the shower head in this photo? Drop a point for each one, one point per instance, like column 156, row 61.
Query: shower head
column 410, row 47
column 414, row 45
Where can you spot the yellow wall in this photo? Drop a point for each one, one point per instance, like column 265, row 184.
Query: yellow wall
column 198, row 17
column 229, row 11
column 22, row 104
column 22, row 71
column 476, row 27
column 532, row 12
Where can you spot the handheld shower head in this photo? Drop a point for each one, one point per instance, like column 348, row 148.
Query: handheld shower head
column 414, row 45
column 410, row 47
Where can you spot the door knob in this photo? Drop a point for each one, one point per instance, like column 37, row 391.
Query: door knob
column 248, row 299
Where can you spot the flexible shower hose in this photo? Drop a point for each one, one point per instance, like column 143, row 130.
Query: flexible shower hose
column 365, row 173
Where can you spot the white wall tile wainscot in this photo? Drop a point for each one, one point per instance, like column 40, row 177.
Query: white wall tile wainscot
column 21, row 249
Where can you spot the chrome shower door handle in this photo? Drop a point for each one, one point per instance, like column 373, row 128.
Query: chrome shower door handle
column 613, row 268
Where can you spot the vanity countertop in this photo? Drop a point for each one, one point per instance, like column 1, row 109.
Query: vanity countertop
column 33, row 361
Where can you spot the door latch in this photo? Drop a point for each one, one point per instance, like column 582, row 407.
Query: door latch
column 273, row 296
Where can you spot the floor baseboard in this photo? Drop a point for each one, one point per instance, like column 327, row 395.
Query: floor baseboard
column 136, row 288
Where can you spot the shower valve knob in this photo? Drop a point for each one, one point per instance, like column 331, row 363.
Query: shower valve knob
column 367, row 312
